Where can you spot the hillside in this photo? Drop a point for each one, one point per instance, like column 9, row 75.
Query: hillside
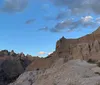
column 73, row 72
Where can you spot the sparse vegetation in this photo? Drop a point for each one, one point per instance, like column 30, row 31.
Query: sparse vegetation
column 98, row 64
column 97, row 73
column 91, row 61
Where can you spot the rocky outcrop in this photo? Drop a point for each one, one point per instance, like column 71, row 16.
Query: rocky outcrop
column 12, row 65
column 87, row 51
column 10, row 70
column 86, row 47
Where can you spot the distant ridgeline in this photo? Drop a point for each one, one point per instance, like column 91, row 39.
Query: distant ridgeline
column 12, row 65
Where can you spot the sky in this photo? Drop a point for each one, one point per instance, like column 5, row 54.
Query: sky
column 34, row 26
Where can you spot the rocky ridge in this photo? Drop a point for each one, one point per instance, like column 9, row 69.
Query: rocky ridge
column 12, row 65
column 85, row 48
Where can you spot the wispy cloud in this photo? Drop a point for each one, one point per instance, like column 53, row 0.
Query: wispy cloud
column 62, row 15
column 43, row 29
column 50, row 53
column 69, row 25
column 48, row 18
column 98, row 20
column 29, row 21
column 12, row 6
column 76, row 9
column 79, row 6
column 42, row 53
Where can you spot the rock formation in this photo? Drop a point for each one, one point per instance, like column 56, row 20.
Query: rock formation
column 12, row 65
column 84, row 48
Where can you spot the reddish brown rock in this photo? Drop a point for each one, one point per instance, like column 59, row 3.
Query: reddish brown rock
column 85, row 47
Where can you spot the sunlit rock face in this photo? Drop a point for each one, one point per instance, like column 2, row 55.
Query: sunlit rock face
column 85, row 47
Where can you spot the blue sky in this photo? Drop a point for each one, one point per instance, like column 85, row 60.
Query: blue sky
column 34, row 26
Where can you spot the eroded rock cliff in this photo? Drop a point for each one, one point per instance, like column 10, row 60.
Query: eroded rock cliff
column 86, row 47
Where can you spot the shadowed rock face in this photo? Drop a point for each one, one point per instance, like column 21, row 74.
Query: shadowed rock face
column 12, row 65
